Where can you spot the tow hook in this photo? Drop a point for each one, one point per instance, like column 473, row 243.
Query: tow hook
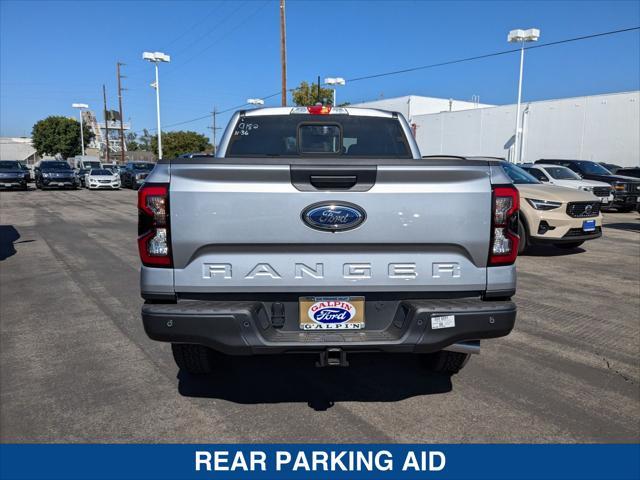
column 333, row 357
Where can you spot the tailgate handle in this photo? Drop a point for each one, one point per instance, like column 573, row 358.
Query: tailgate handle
column 354, row 178
column 333, row 181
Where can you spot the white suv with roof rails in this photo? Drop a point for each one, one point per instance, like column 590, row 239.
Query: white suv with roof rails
column 565, row 177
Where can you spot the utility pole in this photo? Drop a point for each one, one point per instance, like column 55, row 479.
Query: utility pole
column 120, row 89
column 283, row 52
column 318, row 99
column 214, row 129
column 106, row 124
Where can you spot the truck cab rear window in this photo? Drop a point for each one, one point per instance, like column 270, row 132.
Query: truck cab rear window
column 335, row 135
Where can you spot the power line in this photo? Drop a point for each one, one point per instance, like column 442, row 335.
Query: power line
column 185, row 32
column 488, row 55
column 213, row 28
column 218, row 38
column 424, row 67
column 192, row 27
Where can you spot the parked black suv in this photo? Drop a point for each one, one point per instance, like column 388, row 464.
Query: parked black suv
column 12, row 175
column 134, row 173
column 626, row 190
column 55, row 174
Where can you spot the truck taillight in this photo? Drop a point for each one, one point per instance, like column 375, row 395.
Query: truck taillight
column 154, row 240
column 504, row 225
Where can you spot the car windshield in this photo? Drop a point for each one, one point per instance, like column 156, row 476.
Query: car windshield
column 562, row 173
column 92, row 164
column 593, row 168
column 518, row 175
column 55, row 166
column 9, row 164
column 333, row 135
column 101, row 172
column 142, row 166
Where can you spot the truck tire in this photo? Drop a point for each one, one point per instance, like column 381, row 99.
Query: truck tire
column 522, row 233
column 569, row 245
column 446, row 362
column 194, row 359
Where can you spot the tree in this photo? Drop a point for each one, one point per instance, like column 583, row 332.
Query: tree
column 132, row 142
column 145, row 140
column 59, row 135
column 177, row 143
column 307, row 94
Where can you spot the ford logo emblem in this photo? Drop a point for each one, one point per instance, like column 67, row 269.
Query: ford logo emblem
column 333, row 216
column 331, row 312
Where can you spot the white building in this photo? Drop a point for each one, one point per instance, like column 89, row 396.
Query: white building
column 412, row 105
column 602, row 128
column 18, row 148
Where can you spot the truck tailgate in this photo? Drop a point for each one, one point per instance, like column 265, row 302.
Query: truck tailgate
column 238, row 228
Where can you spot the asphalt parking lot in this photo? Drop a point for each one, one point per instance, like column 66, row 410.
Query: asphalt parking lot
column 76, row 365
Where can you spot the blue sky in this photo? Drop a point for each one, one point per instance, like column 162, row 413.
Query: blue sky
column 55, row 53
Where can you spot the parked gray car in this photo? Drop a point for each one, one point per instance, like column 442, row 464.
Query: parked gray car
column 321, row 230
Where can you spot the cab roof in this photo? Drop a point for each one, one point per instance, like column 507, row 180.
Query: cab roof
column 362, row 112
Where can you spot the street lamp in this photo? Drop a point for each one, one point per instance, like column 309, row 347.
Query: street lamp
column 80, row 106
column 521, row 36
column 255, row 101
column 156, row 57
column 335, row 81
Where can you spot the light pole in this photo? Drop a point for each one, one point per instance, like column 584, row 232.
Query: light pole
column 255, row 101
column 521, row 36
column 335, row 81
column 80, row 106
column 155, row 58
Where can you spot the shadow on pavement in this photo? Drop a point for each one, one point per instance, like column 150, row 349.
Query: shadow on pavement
column 294, row 378
column 8, row 235
column 631, row 227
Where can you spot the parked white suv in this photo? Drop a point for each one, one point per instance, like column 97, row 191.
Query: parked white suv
column 565, row 177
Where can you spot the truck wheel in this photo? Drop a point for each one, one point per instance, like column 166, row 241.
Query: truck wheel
column 522, row 233
column 446, row 362
column 194, row 359
column 568, row 246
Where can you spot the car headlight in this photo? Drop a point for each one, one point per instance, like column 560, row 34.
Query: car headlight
column 620, row 187
column 587, row 189
column 46, row 175
column 543, row 204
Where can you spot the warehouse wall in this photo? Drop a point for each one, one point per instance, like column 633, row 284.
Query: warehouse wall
column 603, row 128
column 412, row 105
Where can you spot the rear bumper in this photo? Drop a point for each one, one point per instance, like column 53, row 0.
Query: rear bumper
column 245, row 328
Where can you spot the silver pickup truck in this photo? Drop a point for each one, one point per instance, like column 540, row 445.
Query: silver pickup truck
column 322, row 230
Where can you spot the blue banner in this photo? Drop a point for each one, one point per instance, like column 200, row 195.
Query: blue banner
column 320, row 461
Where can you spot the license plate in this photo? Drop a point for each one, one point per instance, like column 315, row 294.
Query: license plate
column 331, row 313
column 589, row 225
